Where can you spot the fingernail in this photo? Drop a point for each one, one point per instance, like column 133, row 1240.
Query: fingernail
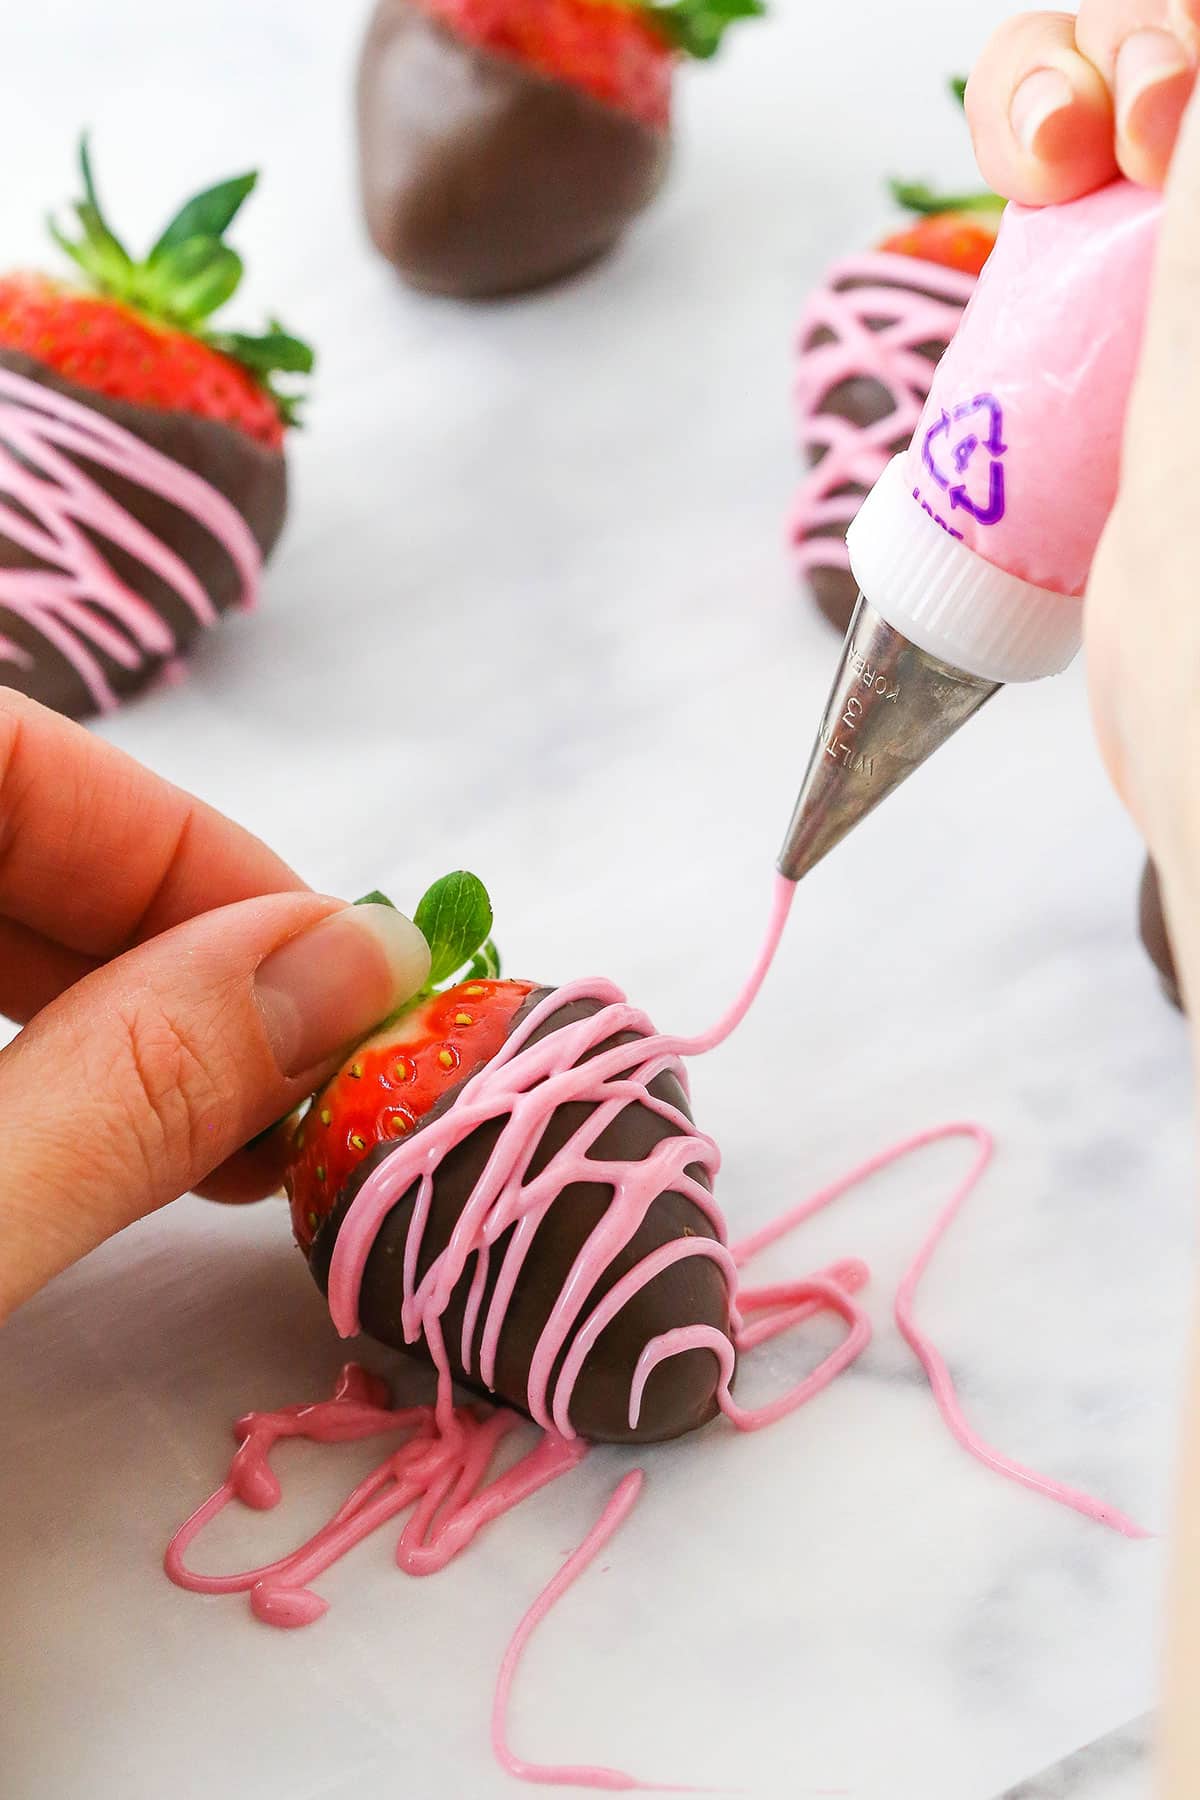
column 1154, row 79
column 1040, row 98
column 333, row 983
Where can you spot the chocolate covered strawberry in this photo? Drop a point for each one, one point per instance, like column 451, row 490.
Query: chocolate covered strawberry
column 142, row 480
column 869, row 340
column 505, row 1180
column 506, row 143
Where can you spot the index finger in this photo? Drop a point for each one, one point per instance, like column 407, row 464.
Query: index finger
column 97, row 853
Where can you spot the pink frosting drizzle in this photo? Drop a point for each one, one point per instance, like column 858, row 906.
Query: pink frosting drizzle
column 523, row 1086
column 440, row 1468
column 78, row 602
column 889, row 353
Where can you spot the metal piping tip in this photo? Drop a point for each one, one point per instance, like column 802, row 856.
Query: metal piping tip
column 891, row 706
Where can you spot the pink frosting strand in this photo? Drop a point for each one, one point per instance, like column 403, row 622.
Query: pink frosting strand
column 78, row 602
column 934, row 1364
column 890, row 355
column 621, row 1504
column 927, row 1354
column 438, row 1473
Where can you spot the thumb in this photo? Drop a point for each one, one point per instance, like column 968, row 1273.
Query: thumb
column 138, row 1081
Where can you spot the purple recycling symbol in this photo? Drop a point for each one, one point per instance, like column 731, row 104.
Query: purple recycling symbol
column 964, row 451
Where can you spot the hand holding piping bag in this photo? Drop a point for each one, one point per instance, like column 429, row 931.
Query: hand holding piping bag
column 974, row 551
column 1059, row 106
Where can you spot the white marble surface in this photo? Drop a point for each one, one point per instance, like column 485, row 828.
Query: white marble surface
column 534, row 614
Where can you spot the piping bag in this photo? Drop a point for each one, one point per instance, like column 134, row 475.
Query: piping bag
column 973, row 550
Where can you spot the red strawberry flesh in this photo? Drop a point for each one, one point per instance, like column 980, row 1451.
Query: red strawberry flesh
column 952, row 240
column 601, row 47
column 111, row 349
column 390, row 1084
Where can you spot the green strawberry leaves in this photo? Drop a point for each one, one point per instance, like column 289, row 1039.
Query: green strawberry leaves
column 274, row 351
column 100, row 253
column 189, row 280
column 485, row 966
column 208, row 214
column 919, row 197
column 455, row 918
column 190, row 273
column 696, row 27
column 916, row 197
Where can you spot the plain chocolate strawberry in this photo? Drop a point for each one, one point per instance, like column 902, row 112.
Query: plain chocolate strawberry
column 506, row 143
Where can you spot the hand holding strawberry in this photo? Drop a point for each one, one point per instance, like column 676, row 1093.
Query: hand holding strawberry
column 179, row 989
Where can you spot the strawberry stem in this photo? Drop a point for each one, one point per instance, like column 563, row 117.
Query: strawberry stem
column 696, row 27
column 916, row 197
column 187, row 277
column 455, row 919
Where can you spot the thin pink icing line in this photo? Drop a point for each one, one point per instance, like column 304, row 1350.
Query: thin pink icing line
column 621, row 1503
column 695, row 1337
column 78, row 602
column 930, row 1358
column 615, row 1513
column 934, row 1364
column 857, row 454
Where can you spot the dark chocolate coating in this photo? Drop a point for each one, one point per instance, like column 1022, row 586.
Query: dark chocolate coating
column 681, row 1393
column 836, row 594
column 863, row 401
column 1155, row 936
column 253, row 477
column 480, row 177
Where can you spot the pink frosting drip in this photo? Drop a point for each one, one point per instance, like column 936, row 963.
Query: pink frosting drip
column 440, row 1469
column 78, row 602
column 877, row 329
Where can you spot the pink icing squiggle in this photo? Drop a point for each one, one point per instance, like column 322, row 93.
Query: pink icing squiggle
column 440, row 1469
column 934, row 1364
column 856, row 455
column 78, row 602
column 928, row 1355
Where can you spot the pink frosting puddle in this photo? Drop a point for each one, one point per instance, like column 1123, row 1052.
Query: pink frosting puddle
column 54, row 510
column 438, row 1474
